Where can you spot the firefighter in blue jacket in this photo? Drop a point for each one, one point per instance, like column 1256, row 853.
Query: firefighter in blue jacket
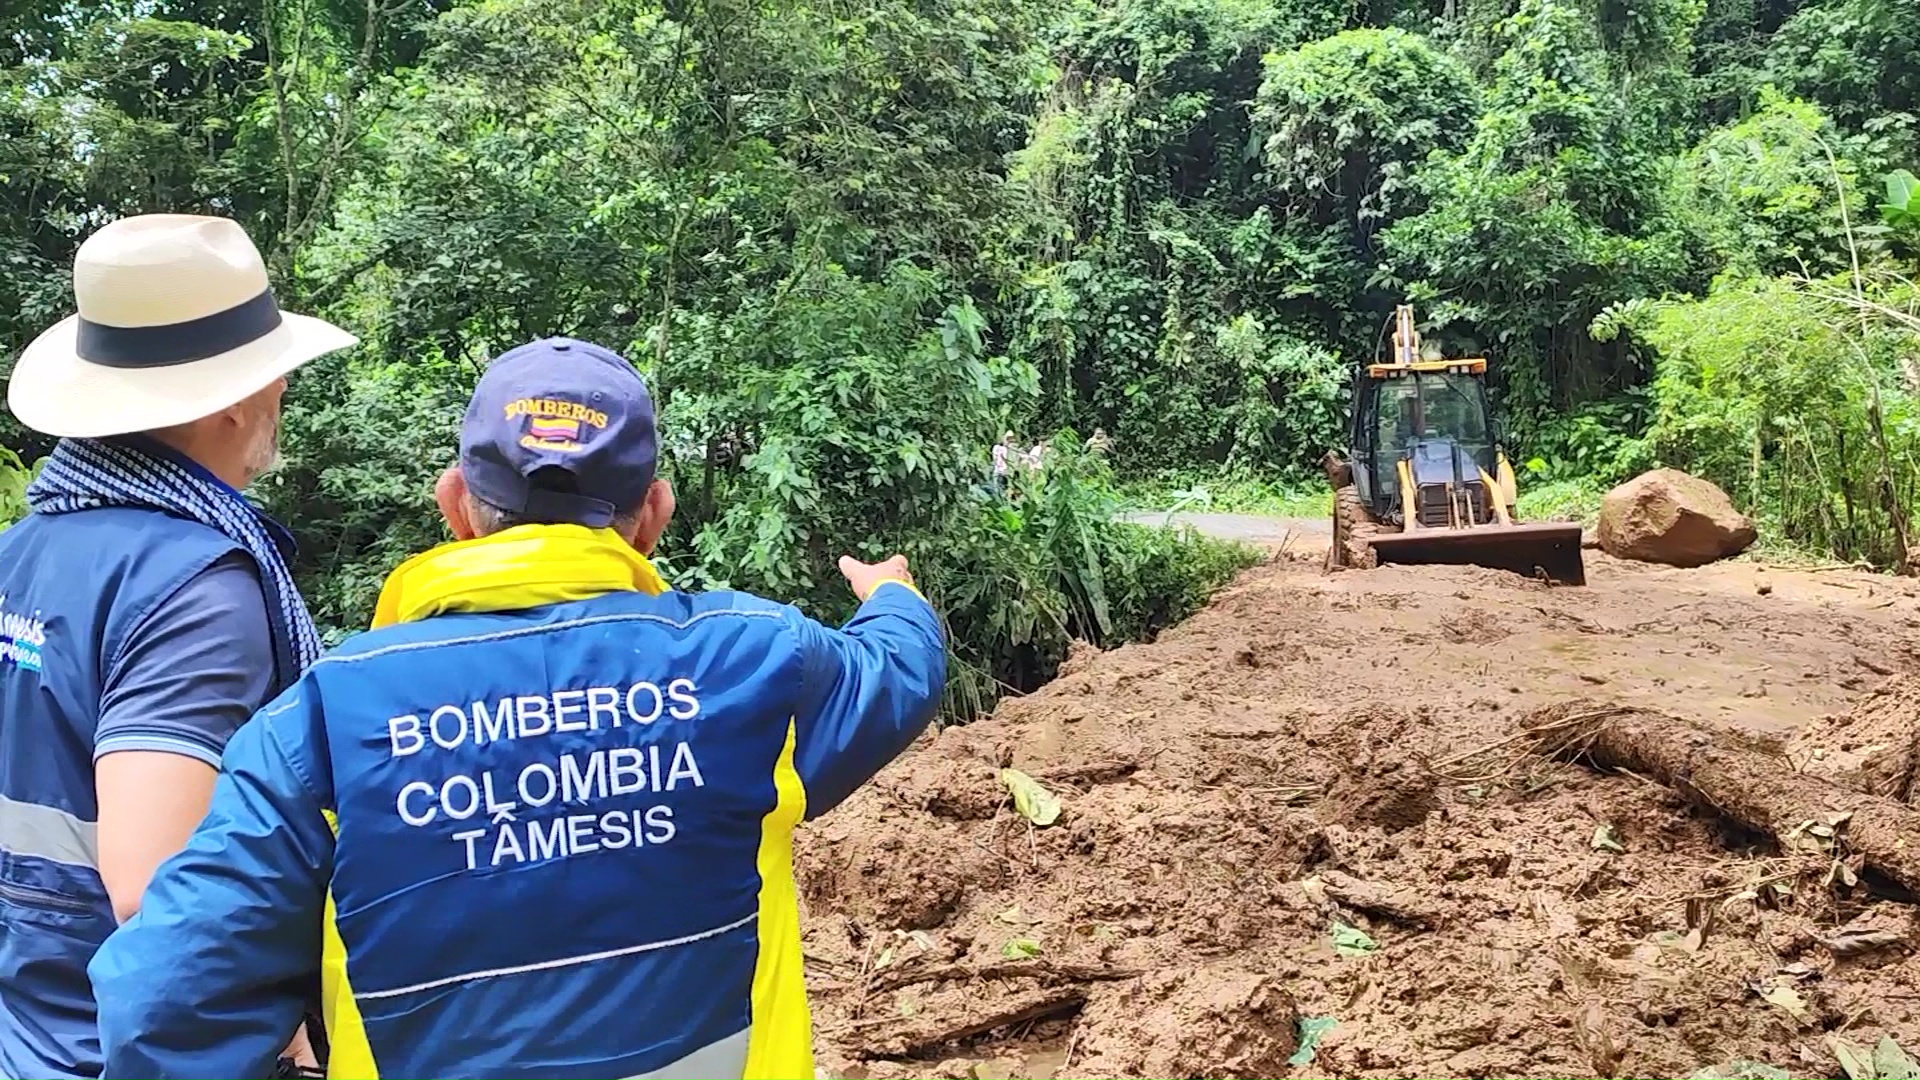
column 539, row 822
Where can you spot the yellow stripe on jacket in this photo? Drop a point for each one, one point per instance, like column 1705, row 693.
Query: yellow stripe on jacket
column 349, row 1055
column 781, row 1046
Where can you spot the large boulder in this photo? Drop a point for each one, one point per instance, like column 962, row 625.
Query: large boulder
column 1667, row 516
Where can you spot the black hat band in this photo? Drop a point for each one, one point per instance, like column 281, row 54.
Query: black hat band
column 178, row 343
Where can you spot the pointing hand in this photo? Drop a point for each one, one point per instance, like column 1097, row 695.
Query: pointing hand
column 865, row 577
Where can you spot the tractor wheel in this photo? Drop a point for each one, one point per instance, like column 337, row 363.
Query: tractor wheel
column 1353, row 531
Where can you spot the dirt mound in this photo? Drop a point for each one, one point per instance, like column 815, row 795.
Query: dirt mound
column 1393, row 793
column 1293, row 840
column 1246, row 1022
column 1873, row 747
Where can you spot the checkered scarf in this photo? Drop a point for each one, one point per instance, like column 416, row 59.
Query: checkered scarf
column 85, row 474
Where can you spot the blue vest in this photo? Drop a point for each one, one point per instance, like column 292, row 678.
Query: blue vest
column 72, row 587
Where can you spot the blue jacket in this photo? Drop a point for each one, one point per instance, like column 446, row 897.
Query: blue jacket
column 73, row 588
column 538, row 825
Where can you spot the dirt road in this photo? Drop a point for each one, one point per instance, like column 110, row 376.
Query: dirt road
column 1248, row 528
column 1303, row 806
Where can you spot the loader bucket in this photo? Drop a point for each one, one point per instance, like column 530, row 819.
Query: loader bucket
column 1552, row 547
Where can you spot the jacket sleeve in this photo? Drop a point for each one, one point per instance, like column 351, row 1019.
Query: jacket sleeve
column 867, row 691
column 210, row 977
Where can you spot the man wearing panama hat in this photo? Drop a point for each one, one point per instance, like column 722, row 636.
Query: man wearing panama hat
column 146, row 608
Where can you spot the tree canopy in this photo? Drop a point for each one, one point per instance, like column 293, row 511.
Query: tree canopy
column 849, row 244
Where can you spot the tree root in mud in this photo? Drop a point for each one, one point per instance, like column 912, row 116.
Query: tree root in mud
column 1063, row 990
column 1031, row 969
column 925, row 1036
column 1759, row 791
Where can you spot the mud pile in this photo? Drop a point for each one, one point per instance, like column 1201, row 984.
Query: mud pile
column 1291, row 842
column 1873, row 747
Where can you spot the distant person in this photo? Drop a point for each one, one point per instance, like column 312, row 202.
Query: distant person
column 1037, row 456
column 146, row 609
column 1100, row 444
column 539, row 822
column 1003, row 452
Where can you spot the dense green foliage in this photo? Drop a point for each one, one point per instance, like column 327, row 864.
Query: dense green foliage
column 13, row 487
column 849, row 244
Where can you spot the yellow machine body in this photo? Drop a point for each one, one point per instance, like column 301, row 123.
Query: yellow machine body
column 1425, row 479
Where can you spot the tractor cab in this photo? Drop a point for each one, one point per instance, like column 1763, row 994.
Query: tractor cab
column 1435, row 419
column 1425, row 427
column 1425, row 479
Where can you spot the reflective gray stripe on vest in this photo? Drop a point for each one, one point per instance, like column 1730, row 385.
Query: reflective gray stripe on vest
column 48, row 832
column 723, row 1060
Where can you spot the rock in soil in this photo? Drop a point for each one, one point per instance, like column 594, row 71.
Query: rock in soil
column 1667, row 516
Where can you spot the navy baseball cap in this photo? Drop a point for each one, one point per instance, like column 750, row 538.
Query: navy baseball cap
column 560, row 432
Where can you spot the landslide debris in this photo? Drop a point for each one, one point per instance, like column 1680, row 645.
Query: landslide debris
column 1873, row 747
column 1305, row 834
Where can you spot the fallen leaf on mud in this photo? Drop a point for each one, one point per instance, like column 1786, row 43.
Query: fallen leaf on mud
column 1743, row 1070
column 1855, row 1060
column 1891, row 1062
column 1841, row 872
column 1886, row 1061
column 909, row 1007
column 1311, row 1029
column 1788, row 999
column 901, row 938
column 1020, row 948
column 1316, row 890
column 1606, row 839
column 1797, row 838
column 1352, row 941
column 1815, row 836
column 1012, row 915
column 1034, row 802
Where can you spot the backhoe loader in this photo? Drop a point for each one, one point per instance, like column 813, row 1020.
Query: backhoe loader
column 1425, row 479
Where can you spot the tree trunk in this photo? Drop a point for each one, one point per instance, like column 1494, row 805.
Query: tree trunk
column 1756, row 789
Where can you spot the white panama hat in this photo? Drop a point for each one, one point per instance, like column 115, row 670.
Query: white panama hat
column 176, row 321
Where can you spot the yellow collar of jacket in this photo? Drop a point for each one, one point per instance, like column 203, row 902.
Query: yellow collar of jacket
column 524, row 567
